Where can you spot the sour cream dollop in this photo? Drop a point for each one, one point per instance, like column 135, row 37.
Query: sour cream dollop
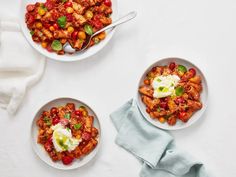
column 165, row 85
column 62, row 139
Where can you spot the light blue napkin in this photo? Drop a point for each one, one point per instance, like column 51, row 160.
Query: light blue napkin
column 153, row 146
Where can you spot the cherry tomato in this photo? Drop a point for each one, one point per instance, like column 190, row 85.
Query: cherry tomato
column 154, row 69
column 182, row 116
column 64, row 121
column 68, row 4
column 71, row 106
column 74, row 34
column 171, row 121
column 164, row 105
column 29, row 18
column 55, row 15
column 66, row 160
column 55, row 120
column 49, row 5
column 46, row 25
column 98, row 24
column 78, row 113
column 147, row 81
column 193, row 71
column 179, row 100
column 69, row 17
column 54, row 110
column 49, row 48
column 97, row 17
column 107, row 3
column 172, row 65
column 86, row 136
column 30, row 7
column 55, row 25
column 48, row 145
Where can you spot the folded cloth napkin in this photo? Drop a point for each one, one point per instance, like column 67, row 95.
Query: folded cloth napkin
column 153, row 146
column 20, row 65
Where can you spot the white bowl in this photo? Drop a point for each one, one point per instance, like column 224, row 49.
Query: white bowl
column 39, row 149
column 67, row 57
column 179, row 124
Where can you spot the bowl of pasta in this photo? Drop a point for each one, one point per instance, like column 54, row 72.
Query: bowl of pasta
column 172, row 93
column 65, row 133
column 50, row 24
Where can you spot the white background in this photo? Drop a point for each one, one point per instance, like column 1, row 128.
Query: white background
column 203, row 31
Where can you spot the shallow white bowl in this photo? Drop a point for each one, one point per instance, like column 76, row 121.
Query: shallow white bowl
column 204, row 95
column 40, row 151
column 67, row 57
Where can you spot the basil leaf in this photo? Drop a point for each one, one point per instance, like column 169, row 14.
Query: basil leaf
column 179, row 91
column 182, row 68
column 88, row 29
column 62, row 21
column 56, row 45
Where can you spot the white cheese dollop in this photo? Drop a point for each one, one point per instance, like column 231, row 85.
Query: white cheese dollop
column 164, row 85
column 62, row 139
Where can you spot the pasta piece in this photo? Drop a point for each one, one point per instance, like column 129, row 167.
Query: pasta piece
column 198, row 87
column 185, row 118
column 80, row 18
column 151, row 103
column 196, row 80
column 146, row 90
column 47, row 33
column 188, row 75
column 166, row 71
column 61, row 34
column 78, row 8
column 156, row 114
column 105, row 20
column 78, row 44
column 94, row 132
column 194, row 105
column 193, row 93
column 88, row 124
column 88, row 148
column 172, row 120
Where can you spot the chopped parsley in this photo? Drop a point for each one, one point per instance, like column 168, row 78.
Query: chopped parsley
column 32, row 33
column 47, row 120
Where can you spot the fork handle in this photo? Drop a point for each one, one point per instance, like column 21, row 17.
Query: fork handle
column 121, row 20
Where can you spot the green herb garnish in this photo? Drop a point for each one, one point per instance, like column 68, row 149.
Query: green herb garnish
column 182, row 69
column 56, row 45
column 179, row 91
column 43, row 7
column 67, row 116
column 88, row 29
column 161, row 88
column 62, row 21
column 96, row 40
column 47, row 120
column 32, row 33
column 77, row 126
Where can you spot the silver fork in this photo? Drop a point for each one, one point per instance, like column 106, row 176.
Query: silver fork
column 68, row 49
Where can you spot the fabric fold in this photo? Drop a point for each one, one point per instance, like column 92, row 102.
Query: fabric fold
column 20, row 65
column 153, row 146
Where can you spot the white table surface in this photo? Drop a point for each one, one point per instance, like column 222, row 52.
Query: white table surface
column 201, row 31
